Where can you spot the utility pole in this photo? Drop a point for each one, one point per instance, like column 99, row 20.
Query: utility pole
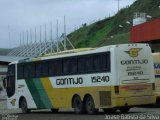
column 27, row 37
column 31, row 43
column 57, row 37
column 40, row 36
column 65, row 34
column 31, row 35
column 45, row 38
column 51, row 37
column 9, row 36
column 35, row 35
column 118, row 5
column 45, row 34
column 23, row 39
column 51, row 30
column 20, row 39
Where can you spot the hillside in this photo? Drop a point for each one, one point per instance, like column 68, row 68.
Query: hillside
column 107, row 31
column 4, row 51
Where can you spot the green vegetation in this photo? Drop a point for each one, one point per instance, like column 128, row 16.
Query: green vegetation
column 4, row 51
column 92, row 35
column 117, row 39
column 107, row 31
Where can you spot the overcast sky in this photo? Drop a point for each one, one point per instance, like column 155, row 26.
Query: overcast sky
column 18, row 16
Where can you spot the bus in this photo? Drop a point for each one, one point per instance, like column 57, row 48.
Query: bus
column 156, row 61
column 108, row 78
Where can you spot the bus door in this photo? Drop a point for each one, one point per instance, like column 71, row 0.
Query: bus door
column 11, row 81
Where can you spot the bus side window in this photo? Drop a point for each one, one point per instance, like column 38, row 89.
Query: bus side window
column 52, row 68
column 73, row 65
column 97, row 63
column 26, row 71
column 29, row 70
column 20, row 71
column 105, row 62
column 38, row 69
column 88, row 63
column 81, row 65
column 66, row 67
column 108, row 62
column 55, row 67
column 58, row 67
column 44, row 69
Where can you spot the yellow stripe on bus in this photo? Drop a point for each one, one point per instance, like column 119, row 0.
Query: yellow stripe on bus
column 57, row 96
column 48, row 88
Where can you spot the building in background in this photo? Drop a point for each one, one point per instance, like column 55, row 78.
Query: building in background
column 147, row 32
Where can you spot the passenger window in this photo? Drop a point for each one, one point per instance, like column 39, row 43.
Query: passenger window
column 42, row 69
column 66, row 66
column 97, row 62
column 73, row 65
column 81, row 65
column 20, row 71
column 88, row 64
column 29, row 70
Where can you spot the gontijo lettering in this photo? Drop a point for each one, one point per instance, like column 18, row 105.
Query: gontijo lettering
column 127, row 62
column 69, row 81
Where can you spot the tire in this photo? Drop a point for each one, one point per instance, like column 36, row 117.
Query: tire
column 24, row 106
column 54, row 110
column 78, row 105
column 90, row 106
column 124, row 109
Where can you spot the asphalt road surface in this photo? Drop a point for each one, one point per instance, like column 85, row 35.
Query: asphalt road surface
column 147, row 113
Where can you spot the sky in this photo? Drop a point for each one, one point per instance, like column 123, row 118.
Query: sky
column 19, row 16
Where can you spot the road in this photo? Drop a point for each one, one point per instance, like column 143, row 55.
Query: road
column 146, row 113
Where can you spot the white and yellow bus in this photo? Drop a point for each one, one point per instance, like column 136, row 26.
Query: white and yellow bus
column 156, row 61
column 111, row 78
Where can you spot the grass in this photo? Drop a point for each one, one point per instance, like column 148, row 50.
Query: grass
column 117, row 39
column 91, row 35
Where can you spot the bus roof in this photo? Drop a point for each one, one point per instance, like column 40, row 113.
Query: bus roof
column 69, row 51
column 73, row 52
column 63, row 53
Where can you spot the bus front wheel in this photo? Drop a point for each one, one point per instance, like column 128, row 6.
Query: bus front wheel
column 23, row 105
column 78, row 105
column 90, row 106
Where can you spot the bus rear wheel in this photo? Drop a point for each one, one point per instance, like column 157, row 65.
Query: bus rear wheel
column 78, row 105
column 24, row 106
column 90, row 106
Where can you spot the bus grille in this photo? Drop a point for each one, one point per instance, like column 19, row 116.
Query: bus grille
column 105, row 98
